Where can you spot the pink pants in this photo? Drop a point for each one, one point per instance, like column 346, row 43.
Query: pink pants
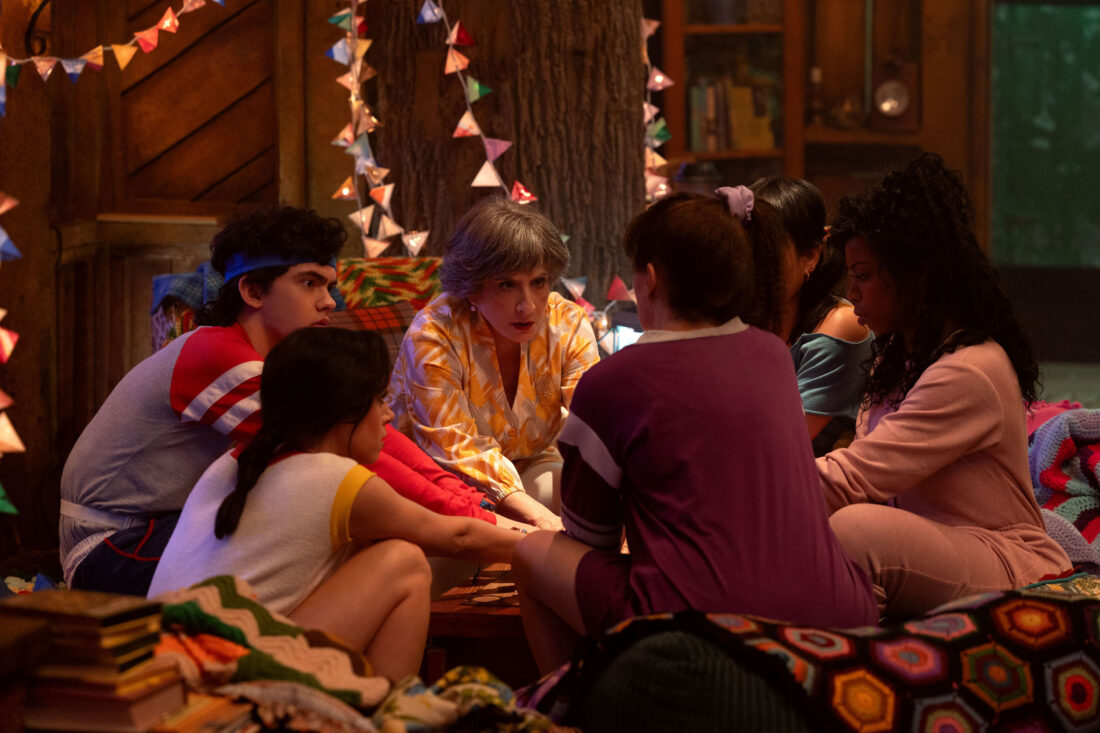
column 916, row 564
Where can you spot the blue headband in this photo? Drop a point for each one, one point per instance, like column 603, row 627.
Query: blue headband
column 241, row 263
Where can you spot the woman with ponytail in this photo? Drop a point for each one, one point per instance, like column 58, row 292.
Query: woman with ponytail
column 297, row 515
column 691, row 441
column 829, row 345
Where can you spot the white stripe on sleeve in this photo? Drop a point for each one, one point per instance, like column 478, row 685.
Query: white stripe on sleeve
column 576, row 432
column 220, row 387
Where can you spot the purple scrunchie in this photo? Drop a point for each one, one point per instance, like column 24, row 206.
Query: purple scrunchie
column 740, row 201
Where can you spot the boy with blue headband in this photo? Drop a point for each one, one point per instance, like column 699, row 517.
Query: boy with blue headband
column 132, row 468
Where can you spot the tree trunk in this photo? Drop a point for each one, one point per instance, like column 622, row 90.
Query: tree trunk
column 567, row 84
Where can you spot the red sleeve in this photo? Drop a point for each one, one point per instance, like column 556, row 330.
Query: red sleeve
column 216, row 382
column 413, row 474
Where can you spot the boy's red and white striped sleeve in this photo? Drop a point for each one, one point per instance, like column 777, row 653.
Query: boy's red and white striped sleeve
column 216, row 382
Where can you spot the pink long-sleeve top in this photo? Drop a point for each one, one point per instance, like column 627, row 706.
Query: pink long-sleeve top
column 954, row 451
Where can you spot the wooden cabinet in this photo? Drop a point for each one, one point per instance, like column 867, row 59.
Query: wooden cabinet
column 941, row 45
column 724, row 57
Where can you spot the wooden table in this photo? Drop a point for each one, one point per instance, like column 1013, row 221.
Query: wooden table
column 478, row 623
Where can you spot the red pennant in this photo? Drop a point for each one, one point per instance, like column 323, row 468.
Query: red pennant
column 618, row 290
column 521, row 195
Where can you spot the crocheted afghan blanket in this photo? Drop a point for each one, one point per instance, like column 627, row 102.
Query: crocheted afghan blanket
column 1064, row 458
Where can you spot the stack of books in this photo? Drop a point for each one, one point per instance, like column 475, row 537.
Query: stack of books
column 98, row 672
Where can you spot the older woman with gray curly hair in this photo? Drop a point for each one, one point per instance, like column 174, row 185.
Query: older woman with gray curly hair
column 487, row 370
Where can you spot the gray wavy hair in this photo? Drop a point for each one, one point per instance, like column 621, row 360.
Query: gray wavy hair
column 496, row 238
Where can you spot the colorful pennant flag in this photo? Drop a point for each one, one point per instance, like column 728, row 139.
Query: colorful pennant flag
column 8, row 340
column 94, row 58
column 649, row 27
column 475, row 90
column 45, row 65
column 340, row 52
column 8, row 250
column 6, row 507
column 376, row 175
column 190, row 5
column 387, row 227
column 459, row 36
column 653, row 159
column 521, row 195
column 575, row 285
column 656, row 186
column 362, row 217
column 123, row 54
column 5, row 400
column 346, row 190
column 7, row 203
column 589, row 309
column 345, row 137
column 347, row 81
column 169, row 22
column 455, row 61
column 367, row 72
column 657, row 80
column 467, row 126
column 618, row 290
column 415, row 241
column 360, row 148
column 487, row 177
column 147, row 38
column 373, row 247
column 12, row 77
column 383, row 194
column 649, row 111
column 73, row 67
column 495, row 148
column 9, row 439
column 429, row 13
column 657, row 134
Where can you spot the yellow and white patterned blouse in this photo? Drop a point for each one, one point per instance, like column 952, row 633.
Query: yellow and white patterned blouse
column 447, row 394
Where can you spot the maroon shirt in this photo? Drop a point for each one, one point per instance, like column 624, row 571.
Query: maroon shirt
column 699, row 446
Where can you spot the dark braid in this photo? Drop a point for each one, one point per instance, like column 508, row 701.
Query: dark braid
column 313, row 380
column 768, row 240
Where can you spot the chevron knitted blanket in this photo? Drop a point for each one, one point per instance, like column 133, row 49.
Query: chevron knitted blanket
column 1064, row 458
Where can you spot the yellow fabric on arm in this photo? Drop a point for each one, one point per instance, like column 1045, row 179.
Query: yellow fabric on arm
column 342, row 502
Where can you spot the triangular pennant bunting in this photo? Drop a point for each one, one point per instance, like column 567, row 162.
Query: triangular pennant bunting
column 467, row 126
column 123, row 54
column 429, row 13
column 362, row 217
column 459, row 36
column 575, row 285
column 73, row 68
column 12, row 75
column 455, row 61
column 5, row 400
column 147, row 38
column 9, row 439
column 367, row 72
column 653, row 159
column 475, row 90
column 657, row 80
column 588, row 307
column 345, row 137
column 649, row 111
column 373, row 247
column 521, row 195
column 190, row 5
column 495, row 148
column 486, row 177
column 376, row 175
column 618, row 290
column 6, row 507
column 339, row 52
column 657, row 133
column 94, row 58
column 8, row 340
column 7, row 203
column 44, row 65
column 169, row 22
column 382, row 195
column 414, row 241
column 360, row 148
column 342, row 19
column 656, row 186
column 7, row 248
column 346, row 190
column 347, row 81
column 387, row 227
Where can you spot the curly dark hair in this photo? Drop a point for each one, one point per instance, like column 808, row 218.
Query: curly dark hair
column 706, row 257
column 287, row 231
column 313, row 379
column 801, row 206
column 918, row 222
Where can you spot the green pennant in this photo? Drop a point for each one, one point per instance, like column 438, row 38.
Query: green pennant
column 658, row 131
column 342, row 19
column 13, row 74
column 6, row 507
column 475, row 90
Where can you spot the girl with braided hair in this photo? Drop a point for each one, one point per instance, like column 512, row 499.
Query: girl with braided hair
column 297, row 515
column 933, row 498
